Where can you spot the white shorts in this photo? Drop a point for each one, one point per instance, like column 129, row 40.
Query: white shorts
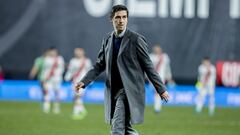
column 206, row 90
column 52, row 85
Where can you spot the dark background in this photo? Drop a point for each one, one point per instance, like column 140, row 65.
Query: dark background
column 28, row 27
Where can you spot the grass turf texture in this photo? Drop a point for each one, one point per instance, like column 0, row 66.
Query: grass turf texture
column 25, row 118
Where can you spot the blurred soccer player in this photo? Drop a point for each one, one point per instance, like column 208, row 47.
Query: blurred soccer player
column 124, row 56
column 206, row 85
column 78, row 67
column 161, row 63
column 53, row 67
column 37, row 70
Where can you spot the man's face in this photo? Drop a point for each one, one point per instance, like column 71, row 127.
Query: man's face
column 120, row 21
column 157, row 50
column 206, row 62
column 79, row 53
column 53, row 53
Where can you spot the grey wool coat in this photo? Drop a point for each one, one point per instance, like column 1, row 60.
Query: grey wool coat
column 133, row 62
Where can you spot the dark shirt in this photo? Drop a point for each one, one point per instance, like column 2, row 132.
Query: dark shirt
column 116, row 80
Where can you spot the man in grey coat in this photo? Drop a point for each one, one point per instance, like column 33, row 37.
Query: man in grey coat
column 125, row 58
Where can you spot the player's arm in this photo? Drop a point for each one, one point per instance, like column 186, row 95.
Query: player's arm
column 61, row 66
column 201, row 75
column 199, row 83
column 89, row 64
column 69, row 72
column 146, row 63
column 169, row 71
column 33, row 72
column 95, row 71
column 35, row 68
column 214, row 74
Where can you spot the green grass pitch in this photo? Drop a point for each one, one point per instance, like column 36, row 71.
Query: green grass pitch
column 26, row 118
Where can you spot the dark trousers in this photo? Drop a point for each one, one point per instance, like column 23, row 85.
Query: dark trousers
column 120, row 124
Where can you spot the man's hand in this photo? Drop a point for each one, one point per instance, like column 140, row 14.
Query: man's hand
column 165, row 96
column 78, row 86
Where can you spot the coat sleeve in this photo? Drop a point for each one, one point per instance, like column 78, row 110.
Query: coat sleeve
column 97, row 68
column 147, row 65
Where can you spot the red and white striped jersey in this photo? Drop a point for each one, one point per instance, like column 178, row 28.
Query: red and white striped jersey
column 77, row 69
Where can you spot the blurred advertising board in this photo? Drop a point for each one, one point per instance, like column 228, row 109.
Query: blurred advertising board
column 228, row 73
column 180, row 95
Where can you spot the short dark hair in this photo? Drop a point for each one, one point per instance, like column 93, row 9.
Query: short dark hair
column 117, row 8
column 206, row 58
column 52, row 48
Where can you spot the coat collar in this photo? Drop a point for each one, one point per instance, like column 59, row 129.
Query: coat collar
column 124, row 42
column 125, row 34
column 121, row 34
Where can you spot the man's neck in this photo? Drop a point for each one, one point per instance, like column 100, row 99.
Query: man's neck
column 119, row 33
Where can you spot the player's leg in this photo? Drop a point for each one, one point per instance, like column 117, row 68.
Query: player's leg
column 157, row 103
column 46, row 97
column 211, row 101
column 200, row 99
column 56, row 103
column 121, row 118
column 128, row 127
column 79, row 111
column 118, row 120
column 76, row 108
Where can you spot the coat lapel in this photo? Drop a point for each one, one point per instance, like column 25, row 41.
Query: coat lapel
column 124, row 42
column 109, row 52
